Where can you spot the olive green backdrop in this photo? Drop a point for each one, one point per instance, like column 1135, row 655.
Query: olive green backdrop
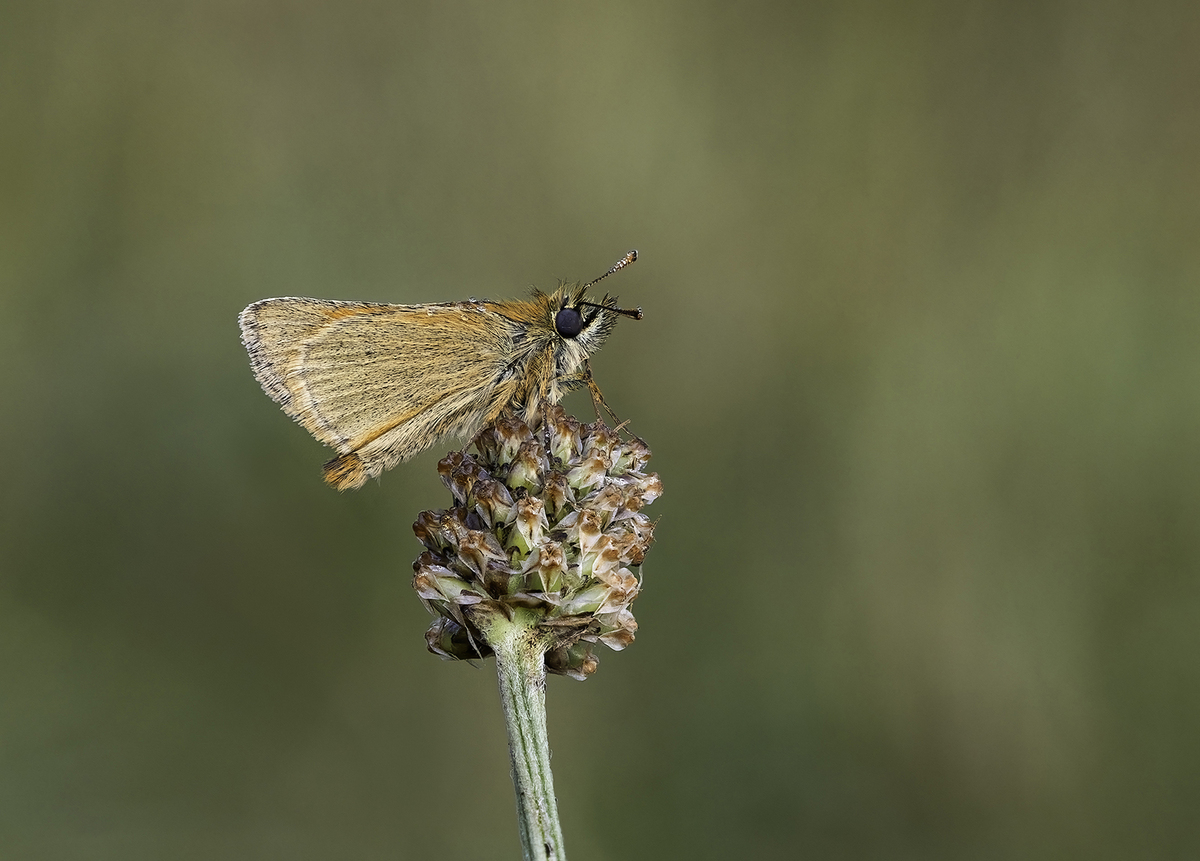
column 920, row 367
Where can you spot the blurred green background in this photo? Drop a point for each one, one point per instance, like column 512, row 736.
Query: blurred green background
column 920, row 367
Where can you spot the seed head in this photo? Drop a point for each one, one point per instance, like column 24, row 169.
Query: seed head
column 545, row 518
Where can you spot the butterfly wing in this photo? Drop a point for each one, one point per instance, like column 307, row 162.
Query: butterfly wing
column 380, row 383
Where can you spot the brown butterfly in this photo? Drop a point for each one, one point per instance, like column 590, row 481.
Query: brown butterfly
column 381, row 383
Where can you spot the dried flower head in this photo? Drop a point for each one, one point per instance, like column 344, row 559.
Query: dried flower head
column 545, row 518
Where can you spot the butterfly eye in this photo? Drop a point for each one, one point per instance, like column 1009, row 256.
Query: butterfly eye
column 568, row 322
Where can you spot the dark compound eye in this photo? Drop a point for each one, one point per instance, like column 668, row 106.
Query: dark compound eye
column 568, row 322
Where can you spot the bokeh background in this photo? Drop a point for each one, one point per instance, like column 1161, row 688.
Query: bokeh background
column 920, row 367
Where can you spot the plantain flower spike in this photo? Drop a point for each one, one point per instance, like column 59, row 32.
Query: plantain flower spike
column 545, row 518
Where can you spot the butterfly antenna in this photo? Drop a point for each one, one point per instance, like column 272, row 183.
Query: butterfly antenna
column 617, row 267
column 635, row 313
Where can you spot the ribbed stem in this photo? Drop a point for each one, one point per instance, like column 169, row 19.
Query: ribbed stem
column 521, row 671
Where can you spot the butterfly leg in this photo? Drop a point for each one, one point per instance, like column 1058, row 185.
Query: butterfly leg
column 584, row 378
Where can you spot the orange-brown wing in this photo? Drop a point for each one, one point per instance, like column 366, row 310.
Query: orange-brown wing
column 379, row 383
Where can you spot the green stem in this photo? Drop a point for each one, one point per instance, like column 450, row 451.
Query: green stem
column 521, row 671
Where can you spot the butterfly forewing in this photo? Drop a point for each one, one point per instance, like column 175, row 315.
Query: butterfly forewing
column 367, row 378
